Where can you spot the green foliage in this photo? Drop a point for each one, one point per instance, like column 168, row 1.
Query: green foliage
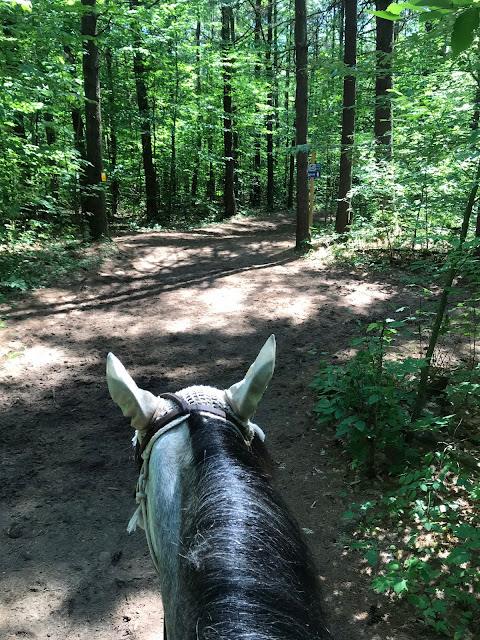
column 421, row 538
column 29, row 264
column 465, row 24
column 368, row 397
column 434, row 561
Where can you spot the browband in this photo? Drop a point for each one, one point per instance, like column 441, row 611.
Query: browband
column 184, row 409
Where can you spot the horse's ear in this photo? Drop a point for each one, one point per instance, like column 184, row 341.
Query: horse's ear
column 135, row 403
column 244, row 396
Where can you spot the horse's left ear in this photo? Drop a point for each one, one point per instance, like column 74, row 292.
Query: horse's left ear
column 135, row 403
column 244, row 396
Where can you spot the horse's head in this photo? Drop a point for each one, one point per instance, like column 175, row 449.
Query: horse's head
column 241, row 399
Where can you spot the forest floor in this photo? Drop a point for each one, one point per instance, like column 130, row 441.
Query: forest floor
column 178, row 308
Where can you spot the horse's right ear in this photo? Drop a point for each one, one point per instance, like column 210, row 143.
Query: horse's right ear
column 135, row 403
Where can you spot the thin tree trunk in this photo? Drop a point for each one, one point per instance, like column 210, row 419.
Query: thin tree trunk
column 442, row 304
column 210, row 190
column 383, row 86
column 198, row 91
column 79, row 142
column 290, row 158
column 475, row 125
column 95, row 197
column 228, row 39
column 172, row 194
column 51, row 136
column 113, row 146
column 291, row 179
column 301, row 124
column 344, row 216
column 270, row 116
column 139, row 70
column 257, row 189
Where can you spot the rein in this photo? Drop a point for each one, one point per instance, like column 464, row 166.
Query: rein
column 161, row 425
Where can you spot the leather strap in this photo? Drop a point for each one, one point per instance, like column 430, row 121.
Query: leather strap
column 184, row 409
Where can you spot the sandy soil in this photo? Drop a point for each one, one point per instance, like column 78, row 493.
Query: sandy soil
column 177, row 309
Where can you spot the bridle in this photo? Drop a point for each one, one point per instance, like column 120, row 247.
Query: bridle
column 184, row 408
column 161, row 425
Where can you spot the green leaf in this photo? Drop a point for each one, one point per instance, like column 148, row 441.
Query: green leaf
column 422, row 602
column 401, row 585
column 360, row 425
column 439, row 606
column 385, row 14
column 464, row 30
column 465, row 531
column 428, row 16
column 458, row 557
column 343, row 429
column 372, row 557
column 437, row 4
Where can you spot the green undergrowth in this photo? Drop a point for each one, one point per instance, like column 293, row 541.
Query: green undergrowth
column 421, row 537
column 375, row 247
column 29, row 263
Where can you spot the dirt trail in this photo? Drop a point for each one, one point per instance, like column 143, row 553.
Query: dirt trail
column 178, row 309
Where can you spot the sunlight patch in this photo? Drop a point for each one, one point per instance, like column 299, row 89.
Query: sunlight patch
column 361, row 298
column 39, row 356
column 223, row 300
column 179, row 326
column 143, row 610
column 298, row 311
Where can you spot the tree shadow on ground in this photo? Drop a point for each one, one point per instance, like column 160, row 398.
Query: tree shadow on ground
column 200, row 316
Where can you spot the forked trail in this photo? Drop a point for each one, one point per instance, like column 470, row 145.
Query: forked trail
column 179, row 309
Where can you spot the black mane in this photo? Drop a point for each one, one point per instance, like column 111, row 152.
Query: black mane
column 245, row 566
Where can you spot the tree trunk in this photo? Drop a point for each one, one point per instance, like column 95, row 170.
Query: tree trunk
column 289, row 157
column 51, row 136
column 146, row 135
column 475, row 125
column 270, row 116
column 113, row 146
column 301, row 124
column 79, row 143
column 344, row 215
column 95, row 197
column 257, row 189
column 383, row 85
column 211, row 189
column 198, row 91
column 172, row 193
column 442, row 304
column 228, row 39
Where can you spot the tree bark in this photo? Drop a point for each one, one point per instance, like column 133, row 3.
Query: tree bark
column 113, row 146
column 383, row 85
column 344, row 214
column 51, row 136
column 257, row 188
column 228, row 39
column 79, row 142
column 198, row 91
column 270, row 101
column 139, row 71
column 301, row 124
column 95, row 196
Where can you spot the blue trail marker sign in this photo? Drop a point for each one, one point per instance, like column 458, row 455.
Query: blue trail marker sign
column 314, row 170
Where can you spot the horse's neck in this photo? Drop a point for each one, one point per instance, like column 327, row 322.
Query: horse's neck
column 170, row 460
